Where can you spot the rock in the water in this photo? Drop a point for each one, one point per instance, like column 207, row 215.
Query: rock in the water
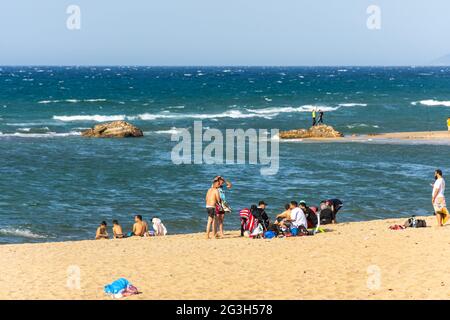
column 319, row 131
column 115, row 129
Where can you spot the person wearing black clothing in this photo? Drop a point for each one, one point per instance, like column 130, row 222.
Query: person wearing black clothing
column 311, row 216
column 329, row 209
column 260, row 214
column 320, row 117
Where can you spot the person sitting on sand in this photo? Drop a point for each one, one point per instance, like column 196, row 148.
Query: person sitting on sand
column 140, row 228
column 102, row 233
column 328, row 210
column 310, row 213
column 285, row 215
column 260, row 214
column 212, row 199
column 117, row 230
column 298, row 218
column 438, row 198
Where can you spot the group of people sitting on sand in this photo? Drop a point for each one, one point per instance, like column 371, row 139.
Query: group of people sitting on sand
column 297, row 219
column 140, row 229
column 294, row 220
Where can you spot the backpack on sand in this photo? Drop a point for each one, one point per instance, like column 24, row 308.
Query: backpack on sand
column 415, row 223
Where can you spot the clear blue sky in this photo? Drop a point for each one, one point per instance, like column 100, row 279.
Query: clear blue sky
column 223, row 32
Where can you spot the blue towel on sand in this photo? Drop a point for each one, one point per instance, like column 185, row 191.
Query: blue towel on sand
column 117, row 286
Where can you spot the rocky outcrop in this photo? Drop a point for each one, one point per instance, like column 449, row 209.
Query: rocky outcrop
column 319, row 131
column 115, row 129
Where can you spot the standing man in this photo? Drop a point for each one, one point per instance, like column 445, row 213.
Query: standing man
column 212, row 199
column 313, row 117
column 320, row 117
column 223, row 207
column 438, row 198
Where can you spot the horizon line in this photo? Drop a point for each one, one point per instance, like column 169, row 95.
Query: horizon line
column 224, row 66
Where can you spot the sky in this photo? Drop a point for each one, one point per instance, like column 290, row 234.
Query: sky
column 224, row 32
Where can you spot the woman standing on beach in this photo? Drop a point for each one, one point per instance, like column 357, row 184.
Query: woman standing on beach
column 223, row 207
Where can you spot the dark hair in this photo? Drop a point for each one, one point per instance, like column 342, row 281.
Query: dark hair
column 103, row 223
column 139, row 216
column 115, row 222
column 287, row 206
column 262, row 202
column 294, row 203
column 253, row 207
column 439, row 172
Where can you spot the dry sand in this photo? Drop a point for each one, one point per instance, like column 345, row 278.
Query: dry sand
column 340, row 264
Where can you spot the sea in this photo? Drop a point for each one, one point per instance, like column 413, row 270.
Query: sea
column 56, row 185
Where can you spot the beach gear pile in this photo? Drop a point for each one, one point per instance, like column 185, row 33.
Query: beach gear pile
column 410, row 223
column 120, row 288
column 256, row 226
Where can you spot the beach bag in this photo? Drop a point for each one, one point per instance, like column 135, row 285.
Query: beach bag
column 226, row 207
column 117, row 286
column 269, row 235
column 302, row 231
column 415, row 223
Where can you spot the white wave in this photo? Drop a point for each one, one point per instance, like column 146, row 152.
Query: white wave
column 25, row 233
column 173, row 130
column 352, row 105
column 275, row 111
column 432, row 103
column 71, row 101
column 40, row 135
column 361, row 125
column 235, row 114
column 96, row 118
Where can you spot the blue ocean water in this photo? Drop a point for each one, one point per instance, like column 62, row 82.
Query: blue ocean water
column 56, row 185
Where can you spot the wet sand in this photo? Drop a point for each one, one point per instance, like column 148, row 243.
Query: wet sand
column 418, row 136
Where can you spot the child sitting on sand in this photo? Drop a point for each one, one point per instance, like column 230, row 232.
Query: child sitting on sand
column 117, row 230
column 102, row 233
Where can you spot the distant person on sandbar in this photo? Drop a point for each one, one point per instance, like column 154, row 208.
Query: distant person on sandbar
column 223, row 206
column 320, row 117
column 102, row 233
column 438, row 198
column 140, row 228
column 212, row 200
column 117, row 230
column 313, row 114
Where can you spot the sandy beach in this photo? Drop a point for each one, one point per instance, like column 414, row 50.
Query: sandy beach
column 360, row 260
column 419, row 136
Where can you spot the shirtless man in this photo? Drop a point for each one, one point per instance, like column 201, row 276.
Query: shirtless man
column 117, row 230
column 101, row 232
column 212, row 198
column 140, row 227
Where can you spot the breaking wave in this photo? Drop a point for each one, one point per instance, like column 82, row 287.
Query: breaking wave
column 432, row 103
column 25, row 233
